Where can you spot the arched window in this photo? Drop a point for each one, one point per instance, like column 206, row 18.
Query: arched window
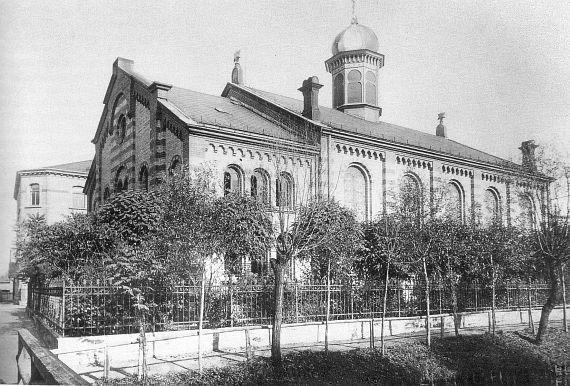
column 143, row 178
column 338, row 90
column 284, row 190
column 121, row 128
column 78, row 197
column 126, row 183
column 454, row 201
column 410, row 194
column 106, row 194
column 354, row 89
column 35, row 194
column 232, row 180
column 119, row 178
column 371, row 96
column 526, row 216
column 175, row 166
column 491, row 207
column 356, row 192
column 260, row 186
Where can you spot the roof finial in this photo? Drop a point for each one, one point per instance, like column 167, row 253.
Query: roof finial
column 354, row 19
column 440, row 117
column 237, row 54
column 441, row 130
column 237, row 73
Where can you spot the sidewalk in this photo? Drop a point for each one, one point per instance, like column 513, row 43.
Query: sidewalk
column 12, row 318
column 162, row 365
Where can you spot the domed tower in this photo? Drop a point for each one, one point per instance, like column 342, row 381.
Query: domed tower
column 354, row 67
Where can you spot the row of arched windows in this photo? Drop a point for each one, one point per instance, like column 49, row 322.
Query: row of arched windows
column 260, row 186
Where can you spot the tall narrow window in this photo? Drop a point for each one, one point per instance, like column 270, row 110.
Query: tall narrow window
column 143, row 178
column 355, row 192
column 78, row 197
column 121, row 128
column 453, row 202
column 371, row 96
column 526, row 216
column 354, row 89
column 338, row 90
column 106, row 194
column 491, row 207
column 260, row 186
column 232, row 181
column 284, row 190
column 35, row 194
column 410, row 195
column 175, row 166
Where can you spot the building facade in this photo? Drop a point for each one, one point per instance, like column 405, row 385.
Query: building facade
column 53, row 191
column 283, row 150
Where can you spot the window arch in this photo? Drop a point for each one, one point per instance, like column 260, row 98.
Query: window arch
column 120, row 180
column 122, row 127
column 354, row 89
column 78, row 197
column 356, row 187
column 338, row 90
column 411, row 194
column 175, row 165
column 233, row 177
column 284, row 190
column 454, row 201
column 35, row 194
column 143, row 178
column 491, row 207
column 526, row 214
column 260, row 186
column 371, row 95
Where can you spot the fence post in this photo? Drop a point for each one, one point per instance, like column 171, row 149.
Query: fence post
column 508, row 296
column 62, row 313
column 296, row 304
column 476, row 288
column 231, row 304
column 106, row 363
column 399, row 293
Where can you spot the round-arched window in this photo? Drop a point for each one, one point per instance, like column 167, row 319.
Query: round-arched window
column 143, row 178
column 410, row 194
column 121, row 128
column 371, row 96
column 284, row 193
column 526, row 215
column 355, row 192
column 232, row 181
column 354, row 89
column 338, row 90
column 491, row 213
column 453, row 201
column 259, row 184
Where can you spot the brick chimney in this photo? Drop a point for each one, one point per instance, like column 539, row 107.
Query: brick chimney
column 310, row 90
column 528, row 158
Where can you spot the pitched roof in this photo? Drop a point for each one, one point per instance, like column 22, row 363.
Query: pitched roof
column 387, row 131
column 221, row 111
column 73, row 167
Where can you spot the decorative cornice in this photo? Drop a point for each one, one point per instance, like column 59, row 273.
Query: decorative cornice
column 405, row 160
column 458, row 171
column 360, row 152
column 356, row 56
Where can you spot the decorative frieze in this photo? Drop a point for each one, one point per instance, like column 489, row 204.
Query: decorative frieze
column 457, row 171
column 493, row 178
column 242, row 152
column 359, row 152
column 413, row 162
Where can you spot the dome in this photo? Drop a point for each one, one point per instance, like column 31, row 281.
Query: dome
column 355, row 37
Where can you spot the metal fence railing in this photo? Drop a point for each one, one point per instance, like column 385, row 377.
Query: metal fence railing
column 101, row 308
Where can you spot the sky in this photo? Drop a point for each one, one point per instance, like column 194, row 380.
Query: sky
column 499, row 69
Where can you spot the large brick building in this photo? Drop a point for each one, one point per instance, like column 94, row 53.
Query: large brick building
column 282, row 149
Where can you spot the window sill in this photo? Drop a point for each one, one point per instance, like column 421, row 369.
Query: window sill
column 32, row 207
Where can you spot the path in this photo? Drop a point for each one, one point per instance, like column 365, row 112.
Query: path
column 12, row 318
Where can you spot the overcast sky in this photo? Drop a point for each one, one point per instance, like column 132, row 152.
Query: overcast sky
column 499, row 69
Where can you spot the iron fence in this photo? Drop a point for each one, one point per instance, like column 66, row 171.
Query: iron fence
column 97, row 308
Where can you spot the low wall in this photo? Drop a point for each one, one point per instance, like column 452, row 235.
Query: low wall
column 123, row 349
column 37, row 365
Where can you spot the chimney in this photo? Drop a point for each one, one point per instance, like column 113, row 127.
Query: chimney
column 237, row 73
column 441, row 130
column 528, row 158
column 310, row 90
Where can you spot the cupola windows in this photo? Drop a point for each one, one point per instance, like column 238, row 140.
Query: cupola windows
column 338, row 97
column 354, row 89
column 371, row 96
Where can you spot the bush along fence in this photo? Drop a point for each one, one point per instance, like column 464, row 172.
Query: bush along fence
column 100, row 308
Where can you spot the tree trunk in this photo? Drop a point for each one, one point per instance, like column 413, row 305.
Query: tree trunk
column 428, row 327
column 201, row 319
column 382, row 348
column 277, row 314
column 142, row 369
column 529, row 300
column 455, row 308
column 550, row 302
column 563, row 280
column 328, row 313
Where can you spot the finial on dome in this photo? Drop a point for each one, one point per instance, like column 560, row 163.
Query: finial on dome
column 237, row 73
column 354, row 19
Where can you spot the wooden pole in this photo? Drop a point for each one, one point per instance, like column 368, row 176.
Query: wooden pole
column 529, row 300
column 382, row 348
column 201, row 319
column 563, row 279
column 328, row 305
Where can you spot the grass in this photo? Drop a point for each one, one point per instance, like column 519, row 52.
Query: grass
column 407, row 363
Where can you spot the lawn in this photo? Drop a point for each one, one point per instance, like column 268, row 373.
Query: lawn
column 473, row 359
